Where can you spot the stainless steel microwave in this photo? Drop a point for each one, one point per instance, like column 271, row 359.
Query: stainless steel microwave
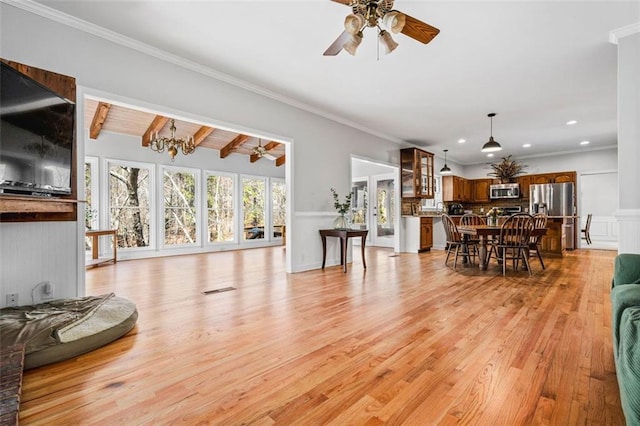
column 504, row 190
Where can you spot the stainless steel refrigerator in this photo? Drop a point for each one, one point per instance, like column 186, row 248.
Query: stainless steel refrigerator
column 556, row 200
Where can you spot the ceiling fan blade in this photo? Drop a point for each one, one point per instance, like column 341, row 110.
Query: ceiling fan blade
column 269, row 156
column 336, row 46
column 418, row 30
column 345, row 2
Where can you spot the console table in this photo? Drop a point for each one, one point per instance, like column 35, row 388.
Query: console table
column 95, row 235
column 344, row 235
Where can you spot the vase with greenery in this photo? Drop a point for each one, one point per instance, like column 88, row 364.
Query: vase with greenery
column 492, row 216
column 507, row 169
column 342, row 221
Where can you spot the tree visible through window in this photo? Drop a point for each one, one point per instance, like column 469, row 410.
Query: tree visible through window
column 220, row 208
column 278, row 207
column 253, row 201
column 129, row 204
column 179, row 191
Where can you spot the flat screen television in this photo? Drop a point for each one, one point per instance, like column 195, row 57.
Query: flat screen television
column 36, row 137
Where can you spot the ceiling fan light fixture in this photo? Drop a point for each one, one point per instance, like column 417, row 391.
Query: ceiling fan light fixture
column 354, row 23
column 394, row 21
column 352, row 44
column 491, row 145
column 387, row 41
column 445, row 170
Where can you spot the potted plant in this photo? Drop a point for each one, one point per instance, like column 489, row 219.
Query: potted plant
column 341, row 222
column 507, row 169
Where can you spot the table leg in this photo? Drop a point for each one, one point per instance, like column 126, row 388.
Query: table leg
column 324, row 250
column 94, row 247
column 483, row 253
column 364, row 263
column 343, row 253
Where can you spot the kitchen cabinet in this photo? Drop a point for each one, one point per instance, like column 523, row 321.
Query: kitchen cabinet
column 418, row 233
column 525, row 183
column 455, row 188
column 542, row 178
column 558, row 177
column 417, row 173
column 480, row 190
column 564, row 177
column 426, row 233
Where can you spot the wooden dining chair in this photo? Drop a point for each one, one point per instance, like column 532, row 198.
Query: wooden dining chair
column 585, row 230
column 513, row 242
column 454, row 240
column 539, row 221
column 471, row 219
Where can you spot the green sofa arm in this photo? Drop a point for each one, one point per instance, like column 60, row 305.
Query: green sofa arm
column 628, row 365
column 622, row 297
column 626, row 269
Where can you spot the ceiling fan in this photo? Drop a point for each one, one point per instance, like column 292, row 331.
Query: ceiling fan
column 261, row 151
column 373, row 13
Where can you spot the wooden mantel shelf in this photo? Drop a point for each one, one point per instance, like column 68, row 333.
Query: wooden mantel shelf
column 19, row 204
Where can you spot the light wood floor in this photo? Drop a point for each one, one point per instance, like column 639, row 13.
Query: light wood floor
column 409, row 342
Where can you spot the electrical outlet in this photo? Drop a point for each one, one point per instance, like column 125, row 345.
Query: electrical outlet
column 12, row 299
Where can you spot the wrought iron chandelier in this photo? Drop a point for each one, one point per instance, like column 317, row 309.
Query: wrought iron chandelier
column 171, row 144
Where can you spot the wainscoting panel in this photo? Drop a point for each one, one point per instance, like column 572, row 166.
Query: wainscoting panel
column 35, row 252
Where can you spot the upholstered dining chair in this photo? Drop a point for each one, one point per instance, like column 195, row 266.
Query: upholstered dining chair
column 454, row 240
column 513, row 242
column 539, row 221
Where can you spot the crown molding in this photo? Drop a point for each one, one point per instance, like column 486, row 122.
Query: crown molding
column 618, row 33
column 88, row 27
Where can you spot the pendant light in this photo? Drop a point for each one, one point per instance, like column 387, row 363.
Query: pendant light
column 491, row 146
column 445, row 170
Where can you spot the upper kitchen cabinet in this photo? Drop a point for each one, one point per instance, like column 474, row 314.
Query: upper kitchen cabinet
column 525, row 182
column 480, row 190
column 417, row 173
column 455, row 188
column 559, row 177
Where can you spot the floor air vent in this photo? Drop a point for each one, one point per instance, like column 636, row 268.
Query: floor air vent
column 218, row 290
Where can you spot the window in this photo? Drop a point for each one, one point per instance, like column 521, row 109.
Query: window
column 253, row 207
column 220, row 214
column 179, row 194
column 129, row 212
column 90, row 188
column 278, row 207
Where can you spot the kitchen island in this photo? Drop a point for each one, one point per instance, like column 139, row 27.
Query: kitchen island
column 562, row 233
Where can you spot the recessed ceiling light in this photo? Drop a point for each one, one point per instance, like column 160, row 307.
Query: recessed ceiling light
column 489, row 155
column 461, row 140
column 526, row 145
column 571, row 122
column 584, row 143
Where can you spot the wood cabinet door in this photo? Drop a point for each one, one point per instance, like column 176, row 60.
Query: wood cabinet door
column 480, row 190
column 447, row 188
column 525, row 183
column 426, row 233
column 564, row 177
column 546, row 178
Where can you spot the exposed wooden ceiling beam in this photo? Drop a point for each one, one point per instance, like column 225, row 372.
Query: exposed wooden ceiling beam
column 280, row 161
column 99, row 117
column 271, row 145
column 158, row 123
column 202, row 134
column 236, row 142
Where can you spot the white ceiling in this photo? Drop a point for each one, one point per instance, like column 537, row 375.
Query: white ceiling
column 537, row 64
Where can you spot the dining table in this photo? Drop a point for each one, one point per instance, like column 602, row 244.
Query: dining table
column 484, row 233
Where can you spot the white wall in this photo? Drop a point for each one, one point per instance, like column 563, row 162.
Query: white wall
column 588, row 161
column 318, row 158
